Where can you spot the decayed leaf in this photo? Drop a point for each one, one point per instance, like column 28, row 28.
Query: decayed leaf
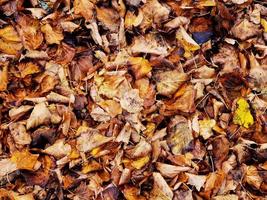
column 142, row 149
column 140, row 66
column 228, row 58
column 16, row 113
column 205, row 127
column 169, row 81
column 131, row 101
column 170, row 171
column 160, row 190
column 28, row 69
column 179, row 134
column 10, row 42
column 252, row 176
column 148, row 44
column 90, row 140
column 188, row 43
column 18, row 132
column 100, row 115
column 245, row 30
column 108, row 17
column 112, row 107
column 53, row 35
column 84, row 8
column 40, row 115
column 24, row 159
column 154, row 12
column 6, row 167
column 3, row 76
column 242, row 115
column 184, row 101
column 196, row 180
column 30, row 32
column 59, row 149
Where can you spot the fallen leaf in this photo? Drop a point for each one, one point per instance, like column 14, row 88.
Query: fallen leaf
column 84, row 8
column 170, row 171
column 108, row 17
column 19, row 133
column 59, row 149
column 196, row 180
column 140, row 66
column 245, row 30
column 168, row 82
column 205, row 127
column 53, row 35
column 24, row 159
column 10, row 42
column 131, row 101
column 179, row 134
column 90, row 140
column 30, row 32
column 160, row 190
column 242, row 115
column 3, row 76
column 40, row 115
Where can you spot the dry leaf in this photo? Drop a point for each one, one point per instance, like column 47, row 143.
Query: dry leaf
column 19, row 133
column 59, row 149
column 10, row 42
column 84, row 8
column 40, row 115
column 245, row 30
column 140, row 66
column 160, row 190
column 169, row 81
column 90, row 140
column 3, row 77
column 131, row 101
column 53, row 35
column 108, row 17
column 24, row 159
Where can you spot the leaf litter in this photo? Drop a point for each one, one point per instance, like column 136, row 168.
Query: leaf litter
column 133, row 99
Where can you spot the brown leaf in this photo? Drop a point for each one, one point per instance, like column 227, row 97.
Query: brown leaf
column 84, row 8
column 161, row 189
column 53, row 35
column 40, row 115
column 3, row 76
column 18, row 132
column 24, row 159
column 131, row 101
column 108, row 17
column 29, row 29
column 10, row 42
column 90, row 140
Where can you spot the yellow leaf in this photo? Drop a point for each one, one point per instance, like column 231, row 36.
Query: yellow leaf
column 188, row 43
column 264, row 25
column 206, row 3
column 3, row 77
column 52, row 35
column 141, row 162
column 242, row 115
column 27, row 69
column 9, row 41
column 112, row 107
column 9, row 34
column 84, row 8
column 140, row 66
column 24, row 159
column 91, row 166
